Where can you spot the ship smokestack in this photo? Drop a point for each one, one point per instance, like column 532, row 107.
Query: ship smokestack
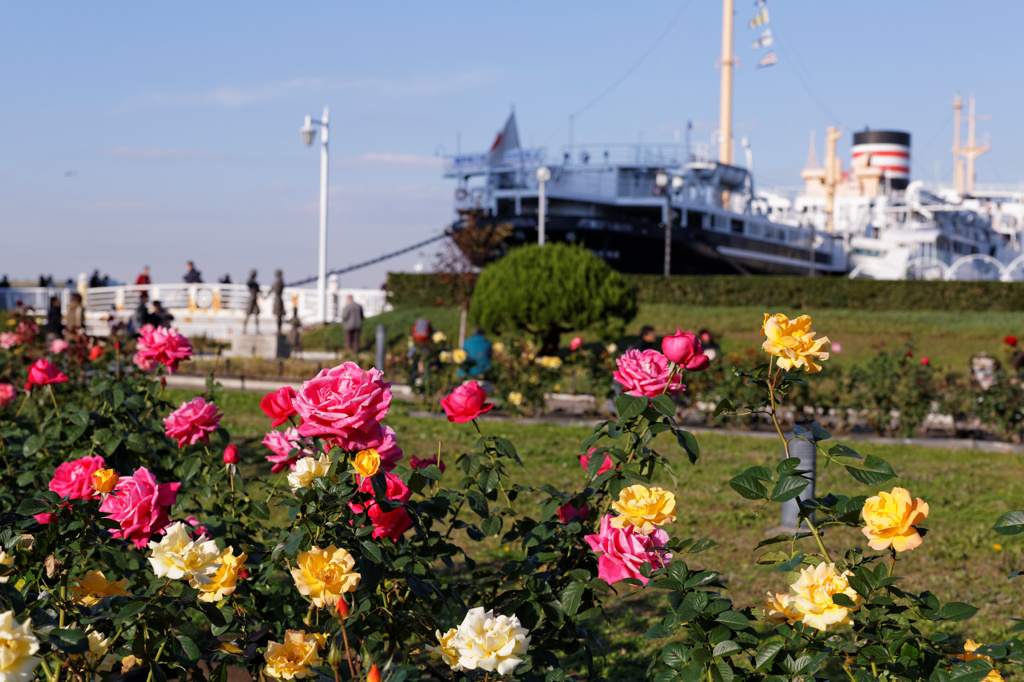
column 885, row 149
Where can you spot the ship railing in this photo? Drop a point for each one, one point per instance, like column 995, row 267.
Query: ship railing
column 459, row 165
column 645, row 155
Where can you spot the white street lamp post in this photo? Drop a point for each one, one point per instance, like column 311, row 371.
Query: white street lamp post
column 308, row 135
column 543, row 175
column 661, row 180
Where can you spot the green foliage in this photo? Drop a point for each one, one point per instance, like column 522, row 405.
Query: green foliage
column 552, row 289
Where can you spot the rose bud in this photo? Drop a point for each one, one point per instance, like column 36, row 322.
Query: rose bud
column 104, row 480
column 231, row 455
column 685, row 350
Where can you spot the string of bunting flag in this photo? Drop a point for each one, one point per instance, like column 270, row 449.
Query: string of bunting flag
column 765, row 40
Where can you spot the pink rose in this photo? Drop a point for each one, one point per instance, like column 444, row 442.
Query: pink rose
column 144, row 362
column 567, row 512
column 193, row 422
column 7, row 394
column 384, row 441
column 646, row 373
column 575, row 344
column 925, row 361
column 10, row 339
column 139, row 504
column 59, row 346
column 607, row 465
column 161, row 345
column 344, row 402
column 279, row 405
column 685, row 350
column 391, row 524
column 417, row 463
column 27, row 330
column 45, row 518
column 44, row 372
column 624, row 550
column 282, row 444
column 466, row 403
column 74, row 479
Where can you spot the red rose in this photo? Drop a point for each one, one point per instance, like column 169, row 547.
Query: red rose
column 607, row 465
column 417, row 463
column 685, row 350
column 1010, row 340
column 44, row 372
column 391, row 524
column 466, row 403
column 74, row 479
column 567, row 512
column 344, row 402
column 231, row 455
column 95, row 352
column 575, row 343
column 925, row 361
column 279, row 405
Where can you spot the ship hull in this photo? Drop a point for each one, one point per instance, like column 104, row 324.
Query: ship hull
column 638, row 247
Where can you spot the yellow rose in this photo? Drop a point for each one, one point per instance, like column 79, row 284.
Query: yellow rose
column 969, row 655
column 17, row 644
column 644, row 508
column 439, row 337
column 93, row 586
column 446, row 650
column 295, row 659
column 99, row 659
column 324, row 575
column 458, row 356
column 306, row 470
column 811, row 595
column 6, row 560
column 445, row 357
column 178, row 556
column 889, row 520
column 104, row 480
column 516, row 398
column 222, row 583
column 366, row 463
column 611, row 349
column 778, row 609
column 549, row 361
column 793, row 342
column 498, row 347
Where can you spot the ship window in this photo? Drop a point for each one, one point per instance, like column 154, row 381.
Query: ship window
column 695, row 220
column 942, row 244
column 754, row 229
column 737, row 226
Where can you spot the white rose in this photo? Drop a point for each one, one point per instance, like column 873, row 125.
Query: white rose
column 177, row 555
column 307, row 469
column 17, row 643
column 490, row 642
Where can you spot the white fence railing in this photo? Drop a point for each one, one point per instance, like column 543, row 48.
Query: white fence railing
column 216, row 310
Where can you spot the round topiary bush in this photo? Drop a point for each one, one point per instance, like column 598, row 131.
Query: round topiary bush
column 551, row 289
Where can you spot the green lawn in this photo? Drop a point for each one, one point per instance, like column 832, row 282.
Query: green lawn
column 960, row 560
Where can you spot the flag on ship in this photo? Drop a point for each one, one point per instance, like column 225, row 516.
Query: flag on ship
column 760, row 19
column 764, row 41
column 507, row 140
column 767, row 60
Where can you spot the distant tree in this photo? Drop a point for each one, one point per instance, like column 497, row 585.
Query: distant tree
column 552, row 289
column 458, row 263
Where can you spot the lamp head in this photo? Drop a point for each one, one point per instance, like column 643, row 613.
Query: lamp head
column 677, row 182
column 661, row 179
column 543, row 174
column 308, row 132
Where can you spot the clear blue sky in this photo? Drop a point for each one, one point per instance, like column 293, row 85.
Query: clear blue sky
column 180, row 121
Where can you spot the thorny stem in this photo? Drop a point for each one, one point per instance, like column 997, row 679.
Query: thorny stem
column 27, row 394
column 477, row 428
column 49, row 387
column 348, row 653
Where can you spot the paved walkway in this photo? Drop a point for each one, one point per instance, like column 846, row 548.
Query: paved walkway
column 404, row 392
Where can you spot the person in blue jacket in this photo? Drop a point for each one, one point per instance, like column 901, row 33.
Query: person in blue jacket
column 478, row 355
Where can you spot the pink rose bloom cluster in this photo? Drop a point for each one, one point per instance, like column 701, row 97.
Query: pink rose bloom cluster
column 139, row 504
column 59, row 346
column 385, row 443
column 27, row 330
column 625, row 550
column 10, row 340
column 391, row 524
column 345, row 404
column 159, row 345
column 74, row 479
column 282, row 443
column 7, row 394
column 193, row 422
column 646, row 373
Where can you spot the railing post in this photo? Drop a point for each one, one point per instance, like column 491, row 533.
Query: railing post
column 806, row 452
column 382, row 341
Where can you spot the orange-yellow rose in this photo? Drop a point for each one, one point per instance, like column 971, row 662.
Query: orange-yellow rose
column 779, row 609
column 94, row 586
column 644, row 508
column 366, row 462
column 222, row 583
column 889, row 519
column 969, row 646
column 324, row 575
column 295, row 658
column 104, row 480
column 812, row 593
column 793, row 342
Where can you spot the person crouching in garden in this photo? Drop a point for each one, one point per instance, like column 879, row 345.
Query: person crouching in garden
column 478, row 356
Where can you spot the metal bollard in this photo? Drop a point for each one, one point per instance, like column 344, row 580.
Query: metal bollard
column 806, row 452
column 382, row 342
